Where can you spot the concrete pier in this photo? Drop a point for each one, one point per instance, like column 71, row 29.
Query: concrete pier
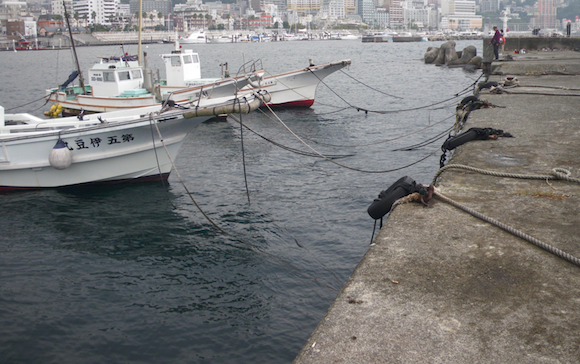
column 439, row 285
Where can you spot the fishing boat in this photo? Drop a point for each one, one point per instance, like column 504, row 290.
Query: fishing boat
column 117, row 83
column 121, row 146
column 296, row 88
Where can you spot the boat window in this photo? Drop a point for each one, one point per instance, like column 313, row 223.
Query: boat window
column 136, row 74
column 195, row 58
column 175, row 61
column 109, row 76
column 124, row 75
column 186, row 59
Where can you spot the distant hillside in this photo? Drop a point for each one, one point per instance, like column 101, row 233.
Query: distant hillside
column 569, row 12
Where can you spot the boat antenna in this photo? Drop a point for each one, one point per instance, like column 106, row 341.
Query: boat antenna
column 72, row 41
column 139, row 32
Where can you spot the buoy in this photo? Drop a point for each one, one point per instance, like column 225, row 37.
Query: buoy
column 403, row 187
column 473, row 134
column 60, row 156
column 55, row 110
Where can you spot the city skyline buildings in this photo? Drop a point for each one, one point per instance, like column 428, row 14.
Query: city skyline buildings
column 397, row 14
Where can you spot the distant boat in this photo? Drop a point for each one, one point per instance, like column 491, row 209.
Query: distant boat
column 291, row 37
column 196, row 37
column 224, row 38
column 122, row 146
column 27, row 45
column 407, row 37
column 348, row 36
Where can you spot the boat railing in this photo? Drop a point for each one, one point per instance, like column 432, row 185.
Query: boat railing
column 250, row 66
column 30, row 124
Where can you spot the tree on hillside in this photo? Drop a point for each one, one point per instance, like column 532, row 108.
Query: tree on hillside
column 569, row 12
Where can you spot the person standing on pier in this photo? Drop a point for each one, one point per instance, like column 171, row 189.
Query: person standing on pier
column 495, row 42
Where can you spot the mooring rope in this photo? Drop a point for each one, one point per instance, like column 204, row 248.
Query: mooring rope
column 151, row 123
column 33, row 101
column 552, row 87
column 538, row 93
column 431, row 140
column 387, row 111
column 566, row 256
column 339, row 164
column 290, row 149
column 556, row 173
column 380, row 141
column 372, row 88
column 284, row 264
column 243, row 149
column 183, row 183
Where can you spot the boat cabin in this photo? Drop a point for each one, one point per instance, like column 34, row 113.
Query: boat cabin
column 116, row 76
column 182, row 68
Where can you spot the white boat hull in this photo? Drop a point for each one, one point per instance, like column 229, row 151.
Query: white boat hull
column 296, row 88
column 122, row 146
column 100, row 154
column 95, row 104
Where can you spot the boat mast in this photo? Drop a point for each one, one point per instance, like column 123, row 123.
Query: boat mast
column 72, row 41
column 139, row 33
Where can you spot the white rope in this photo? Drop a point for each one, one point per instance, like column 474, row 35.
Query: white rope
column 556, row 173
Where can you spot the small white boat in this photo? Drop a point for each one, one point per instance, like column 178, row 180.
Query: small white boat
column 291, row 37
column 296, row 88
column 197, row 37
column 348, row 36
column 224, row 38
column 122, row 146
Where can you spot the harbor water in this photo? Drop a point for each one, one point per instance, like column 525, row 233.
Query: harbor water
column 136, row 273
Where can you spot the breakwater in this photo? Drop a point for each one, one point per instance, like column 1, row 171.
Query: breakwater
column 439, row 284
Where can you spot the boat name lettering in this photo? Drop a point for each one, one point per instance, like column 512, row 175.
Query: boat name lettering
column 97, row 77
column 96, row 142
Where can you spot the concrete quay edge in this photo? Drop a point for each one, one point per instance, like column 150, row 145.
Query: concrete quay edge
column 439, row 285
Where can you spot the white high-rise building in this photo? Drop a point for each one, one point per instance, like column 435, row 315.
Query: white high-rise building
column 96, row 11
column 459, row 15
column 58, row 8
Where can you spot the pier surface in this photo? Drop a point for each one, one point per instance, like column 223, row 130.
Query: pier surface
column 439, row 285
